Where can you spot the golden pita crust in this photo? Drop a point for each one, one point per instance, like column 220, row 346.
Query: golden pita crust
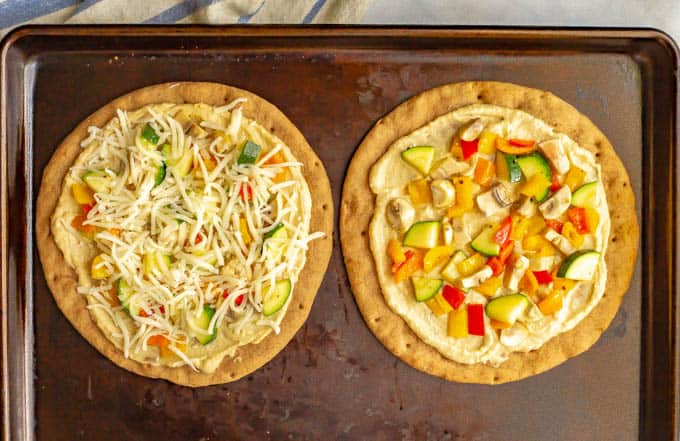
column 62, row 279
column 356, row 210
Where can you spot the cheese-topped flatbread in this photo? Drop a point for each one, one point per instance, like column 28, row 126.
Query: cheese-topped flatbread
column 188, row 227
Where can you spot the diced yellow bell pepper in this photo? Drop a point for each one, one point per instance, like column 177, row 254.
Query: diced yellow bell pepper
column 167, row 353
column 82, row 194
column 471, row 264
column 99, row 271
column 563, row 286
column 433, row 304
column 443, row 304
column 395, row 251
column 520, row 226
column 464, row 201
column 534, row 186
column 456, row 149
column 245, row 234
column 551, row 304
column 490, row 287
column 592, row 219
column 547, row 251
column 536, row 225
column 487, row 142
column 535, row 243
column 528, row 284
column 573, row 236
column 457, row 325
column 420, row 192
column 436, row 256
column 574, row 178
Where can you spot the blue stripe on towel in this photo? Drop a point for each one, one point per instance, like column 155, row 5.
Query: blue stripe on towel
column 316, row 7
column 246, row 18
column 179, row 11
column 13, row 12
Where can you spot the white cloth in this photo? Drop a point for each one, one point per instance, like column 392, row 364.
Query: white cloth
column 17, row 12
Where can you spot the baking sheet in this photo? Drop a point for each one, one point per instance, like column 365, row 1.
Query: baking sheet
column 335, row 380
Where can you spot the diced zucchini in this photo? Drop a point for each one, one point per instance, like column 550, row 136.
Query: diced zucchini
column 276, row 231
column 450, row 272
column 581, row 265
column 532, row 164
column 149, row 135
column 275, row 300
column 124, row 293
column 425, row 288
column 507, row 168
column 203, row 322
column 485, row 244
column 276, row 241
column 585, row 196
column 419, row 157
column 98, row 180
column 156, row 261
column 249, row 153
column 160, row 174
column 423, row 234
column 508, row 308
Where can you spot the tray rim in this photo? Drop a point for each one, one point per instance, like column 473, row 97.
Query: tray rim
column 305, row 32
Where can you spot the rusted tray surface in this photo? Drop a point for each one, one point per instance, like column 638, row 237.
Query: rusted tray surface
column 335, row 380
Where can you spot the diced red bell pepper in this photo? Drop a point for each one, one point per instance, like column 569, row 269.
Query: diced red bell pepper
column 157, row 340
column 577, row 216
column 469, row 148
column 198, row 239
column 247, row 194
column 77, row 223
column 555, row 225
column 87, row 207
column 555, row 185
column 239, row 300
column 503, row 232
column 225, row 293
column 543, row 277
column 454, row 296
column 162, row 309
column 521, row 142
column 476, row 319
column 143, row 313
column 496, row 265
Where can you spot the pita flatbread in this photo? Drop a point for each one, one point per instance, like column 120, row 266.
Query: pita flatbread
column 62, row 280
column 357, row 208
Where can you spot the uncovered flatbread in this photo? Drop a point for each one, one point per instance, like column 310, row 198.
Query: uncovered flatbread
column 358, row 204
column 63, row 281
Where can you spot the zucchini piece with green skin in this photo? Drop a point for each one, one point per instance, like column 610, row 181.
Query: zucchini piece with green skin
column 149, row 135
column 507, row 168
column 585, row 196
column 274, row 231
column 249, row 153
column 423, row 234
column 485, row 244
column 419, row 157
column 450, row 272
column 508, row 308
column 159, row 177
column 98, row 180
column 276, row 298
column 580, row 265
column 275, row 241
column 124, row 293
column 532, row 164
column 425, row 288
column 203, row 322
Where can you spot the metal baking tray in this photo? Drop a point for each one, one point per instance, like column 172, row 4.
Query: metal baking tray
column 335, row 380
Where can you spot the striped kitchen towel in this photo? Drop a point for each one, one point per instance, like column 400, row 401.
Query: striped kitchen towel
column 17, row 12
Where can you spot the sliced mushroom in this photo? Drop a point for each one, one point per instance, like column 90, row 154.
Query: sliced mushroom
column 561, row 242
column 557, row 204
column 519, row 268
column 477, row 278
column 443, row 193
column 460, row 234
column 527, row 207
column 555, row 153
column 447, row 231
column 448, row 167
column 495, row 199
column 400, row 214
column 471, row 130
